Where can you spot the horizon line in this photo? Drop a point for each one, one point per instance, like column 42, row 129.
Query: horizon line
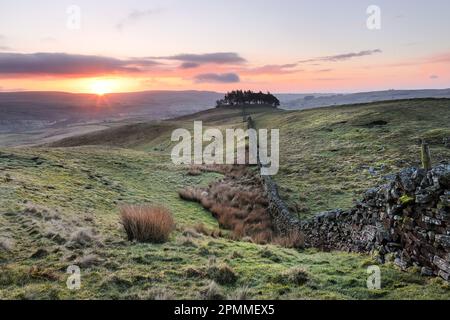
column 212, row 91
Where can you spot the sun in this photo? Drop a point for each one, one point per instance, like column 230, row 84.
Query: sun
column 102, row 87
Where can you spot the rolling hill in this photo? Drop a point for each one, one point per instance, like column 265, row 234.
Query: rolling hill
column 338, row 152
column 309, row 101
column 51, row 194
column 30, row 118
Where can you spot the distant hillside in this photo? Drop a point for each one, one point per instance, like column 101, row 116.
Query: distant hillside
column 23, row 111
column 309, row 101
column 130, row 135
column 330, row 156
column 36, row 118
column 140, row 135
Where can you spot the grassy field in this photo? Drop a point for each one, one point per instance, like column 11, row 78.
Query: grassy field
column 60, row 206
column 330, row 156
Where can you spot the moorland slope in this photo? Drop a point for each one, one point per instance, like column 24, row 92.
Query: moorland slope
column 59, row 206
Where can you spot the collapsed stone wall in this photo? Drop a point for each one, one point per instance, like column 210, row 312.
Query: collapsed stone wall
column 283, row 220
column 406, row 220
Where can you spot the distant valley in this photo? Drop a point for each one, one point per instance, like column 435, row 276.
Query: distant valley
column 30, row 118
column 309, row 101
column 34, row 110
column 41, row 117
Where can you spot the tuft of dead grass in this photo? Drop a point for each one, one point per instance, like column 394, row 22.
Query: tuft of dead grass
column 212, row 292
column 186, row 241
column 160, row 294
column 194, row 171
column 299, row 276
column 294, row 239
column 214, row 233
column 222, row 274
column 194, row 273
column 269, row 254
column 37, row 272
column 191, row 232
column 82, row 238
column 89, row 261
column 242, row 293
column 147, row 223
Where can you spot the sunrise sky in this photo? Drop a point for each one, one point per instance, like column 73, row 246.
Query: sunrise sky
column 276, row 45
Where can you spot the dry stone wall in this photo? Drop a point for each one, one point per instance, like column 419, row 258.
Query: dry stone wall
column 407, row 220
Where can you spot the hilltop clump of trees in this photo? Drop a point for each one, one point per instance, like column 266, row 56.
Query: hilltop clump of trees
column 248, row 98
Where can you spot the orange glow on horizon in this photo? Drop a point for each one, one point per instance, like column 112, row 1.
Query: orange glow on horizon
column 337, row 77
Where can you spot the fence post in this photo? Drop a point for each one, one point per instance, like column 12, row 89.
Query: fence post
column 426, row 156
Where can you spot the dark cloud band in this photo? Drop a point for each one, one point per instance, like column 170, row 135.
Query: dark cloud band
column 68, row 64
column 342, row 57
column 195, row 60
column 217, row 78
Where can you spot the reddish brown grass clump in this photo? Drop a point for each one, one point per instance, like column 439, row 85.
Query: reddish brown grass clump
column 214, row 233
column 239, row 204
column 294, row 239
column 147, row 223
